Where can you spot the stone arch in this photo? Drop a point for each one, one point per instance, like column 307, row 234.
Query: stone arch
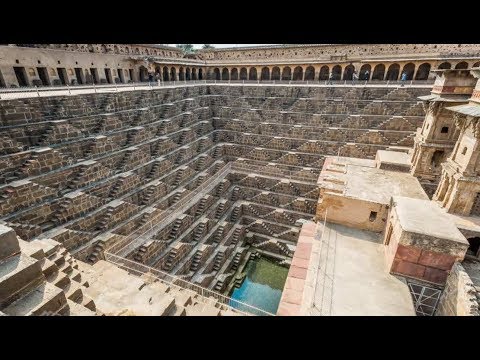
column 409, row 69
column 188, row 75
column 298, row 73
column 252, row 75
column 310, row 73
column 337, row 72
column 225, row 74
column 276, row 73
column 324, row 73
column 477, row 64
column 146, row 52
column 393, row 72
column 115, row 49
column 181, row 74
column 243, row 74
column 137, row 51
column 462, row 65
column 127, row 50
column 348, row 72
column 474, row 246
column 158, row 71
column 173, row 74
column 445, row 65
column 437, row 158
column 363, row 72
column 265, row 74
column 165, row 74
column 423, row 71
column 143, row 72
column 194, row 74
column 103, row 49
column 234, row 74
column 200, row 74
column 287, row 73
column 216, row 74
column 378, row 72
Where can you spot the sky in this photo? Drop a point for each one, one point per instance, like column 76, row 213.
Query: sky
column 199, row 46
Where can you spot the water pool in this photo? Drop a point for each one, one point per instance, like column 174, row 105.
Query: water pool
column 262, row 286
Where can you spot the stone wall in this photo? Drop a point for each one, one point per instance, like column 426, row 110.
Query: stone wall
column 460, row 297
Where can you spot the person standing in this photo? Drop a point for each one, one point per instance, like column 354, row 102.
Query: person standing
column 404, row 78
column 330, row 78
column 354, row 77
column 367, row 75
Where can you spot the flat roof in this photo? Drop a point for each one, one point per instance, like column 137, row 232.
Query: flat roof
column 467, row 109
column 425, row 217
column 393, row 157
column 377, row 185
column 360, row 282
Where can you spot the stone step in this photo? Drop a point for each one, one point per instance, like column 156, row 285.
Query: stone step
column 59, row 279
column 199, row 309
column 18, row 274
column 182, row 298
column 73, row 291
column 48, row 267
column 178, row 310
column 46, row 299
column 79, row 310
column 88, row 303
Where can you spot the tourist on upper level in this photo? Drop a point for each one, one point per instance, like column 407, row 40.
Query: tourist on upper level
column 354, row 77
column 330, row 78
column 404, row 78
column 367, row 75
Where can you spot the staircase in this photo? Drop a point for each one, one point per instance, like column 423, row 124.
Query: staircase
column 218, row 260
column 217, row 152
column 170, row 260
column 198, row 232
column 153, row 171
column 220, row 189
column 174, row 232
column 235, row 194
column 196, row 260
column 219, row 211
column 178, row 177
column 236, row 236
column 97, row 253
column 235, row 214
column 218, row 235
column 147, row 195
column 200, row 163
column 176, row 197
column 201, row 207
column 236, row 261
column 104, row 222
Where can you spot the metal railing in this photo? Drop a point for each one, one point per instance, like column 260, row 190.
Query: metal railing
column 226, row 303
column 142, row 234
column 68, row 90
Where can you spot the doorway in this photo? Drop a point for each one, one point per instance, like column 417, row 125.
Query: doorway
column 476, row 206
column 21, row 75
column 94, row 73
column 120, row 75
column 108, row 75
column 62, row 74
column 43, row 75
column 79, row 75
column 474, row 246
column 130, row 72
column 2, row 81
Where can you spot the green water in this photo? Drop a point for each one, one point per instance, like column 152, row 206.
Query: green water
column 262, row 286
